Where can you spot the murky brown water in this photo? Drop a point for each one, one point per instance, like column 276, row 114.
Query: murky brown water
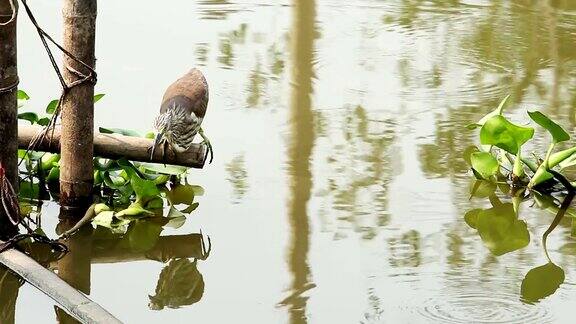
column 338, row 188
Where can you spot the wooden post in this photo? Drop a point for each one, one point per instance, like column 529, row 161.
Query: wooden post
column 76, row 174
column 8, row 103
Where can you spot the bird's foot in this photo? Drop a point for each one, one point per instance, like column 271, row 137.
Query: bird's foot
column 209, row 150
column 206, row 141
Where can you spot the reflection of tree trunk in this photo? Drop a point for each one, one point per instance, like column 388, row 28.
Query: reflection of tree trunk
column 299, row 153
column 74, row 267
column 9, row 286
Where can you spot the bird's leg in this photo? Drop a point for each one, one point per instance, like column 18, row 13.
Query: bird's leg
column 206, row 141
column 165, row 144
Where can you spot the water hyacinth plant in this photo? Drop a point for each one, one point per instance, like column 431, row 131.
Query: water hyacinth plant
column 502, row 142
column 130, row 196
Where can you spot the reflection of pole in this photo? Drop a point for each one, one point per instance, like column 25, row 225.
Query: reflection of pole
column 9, row 286
column 75, row 266
column 299, row 154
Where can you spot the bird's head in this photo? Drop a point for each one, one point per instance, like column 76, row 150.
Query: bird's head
column 161, row 130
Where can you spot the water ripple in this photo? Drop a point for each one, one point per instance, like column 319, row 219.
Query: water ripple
column 483, row 307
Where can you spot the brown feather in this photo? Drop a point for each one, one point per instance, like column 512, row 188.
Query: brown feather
column 190, row 92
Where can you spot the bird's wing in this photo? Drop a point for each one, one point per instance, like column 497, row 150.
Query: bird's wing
column 190, row 91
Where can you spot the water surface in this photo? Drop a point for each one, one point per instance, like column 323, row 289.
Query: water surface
column 338, row 187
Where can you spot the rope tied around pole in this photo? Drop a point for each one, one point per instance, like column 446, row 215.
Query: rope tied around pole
column 90, row 77
column 13, row 16
column 9, row 88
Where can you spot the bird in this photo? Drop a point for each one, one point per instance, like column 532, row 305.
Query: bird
column 181, row 114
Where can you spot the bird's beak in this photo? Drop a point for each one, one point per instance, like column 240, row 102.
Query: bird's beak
column 157, row 141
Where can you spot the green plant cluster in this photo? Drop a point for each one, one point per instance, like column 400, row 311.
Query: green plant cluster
column 128, row 192
column 502, row 149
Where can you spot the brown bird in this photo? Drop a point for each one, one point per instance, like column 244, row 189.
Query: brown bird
column 181, row 113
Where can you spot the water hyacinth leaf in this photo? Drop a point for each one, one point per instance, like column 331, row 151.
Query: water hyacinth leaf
column 191, row 208
column 51, row 108
column 558, row 133
column 54, row 175
column 498, row 111
column 49, row 160
column 468, row 152
column 144, row 188
column 98, row 97
column 484, row 163
column 135, row 209
column 29, row 116
column 22, row 95
column 176, row 218
column 500, row 229
column 541, row 282
column 156, row 203
column 498, row 131
column 164, row 169
column 125, row 132
column 104, row 219
column 181, row 194
column 29, row 190
column 44, row 121
column 564, row 159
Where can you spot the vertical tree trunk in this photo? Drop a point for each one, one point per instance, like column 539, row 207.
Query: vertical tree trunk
column 76, row 175
column 8, row 104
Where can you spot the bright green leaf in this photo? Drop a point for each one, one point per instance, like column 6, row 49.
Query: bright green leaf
column 44, row 121
column 29, row 116
column 557, row 132
column 497, row 112
column 22, row 95
column 498, row 131
column 51, row 108
column 164, row 169
column 484, row 163
column 181, row 194
column 98, row 97
column 125, row 132
column 541, row 282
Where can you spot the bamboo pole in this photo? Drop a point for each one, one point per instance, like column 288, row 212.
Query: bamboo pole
column 76, row 174
column 74, row 302
column 115, row 146
column 8, row 103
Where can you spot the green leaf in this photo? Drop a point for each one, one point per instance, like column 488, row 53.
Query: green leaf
column 98, row 97
column 125, row 132
column 22, row 95
column 29, row 116
column 44, row 121
column 48, row 160
column 176, row 218
column 53, row 175
column 498, row 131
column 468, row 153
column 181, row 194
column 144, row 189
column 500, row 229
column 51, row 108
column 541, row 282
column 558, row 133
column 485, row 164
column 497, row 112
column 134, row 209
column 164, row 169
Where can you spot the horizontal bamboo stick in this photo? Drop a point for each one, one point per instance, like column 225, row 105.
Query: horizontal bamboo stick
column 114, row 146
column 74, row 302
